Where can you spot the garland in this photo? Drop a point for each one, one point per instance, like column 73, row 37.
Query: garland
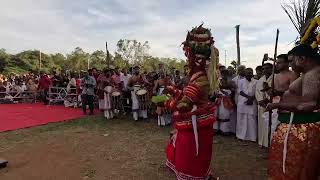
column 307, row 37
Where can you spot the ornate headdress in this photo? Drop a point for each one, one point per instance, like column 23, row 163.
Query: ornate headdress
column 199, row 50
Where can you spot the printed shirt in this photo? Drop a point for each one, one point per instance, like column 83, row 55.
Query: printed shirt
column 88, row 81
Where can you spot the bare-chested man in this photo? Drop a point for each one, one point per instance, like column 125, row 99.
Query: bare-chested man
column 282, row 80
column 284, row 77
column 295, row 148
column 136, row 82
column 164, row 118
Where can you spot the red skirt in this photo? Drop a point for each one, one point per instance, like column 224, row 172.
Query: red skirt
column 303, row 154
column 181, row 152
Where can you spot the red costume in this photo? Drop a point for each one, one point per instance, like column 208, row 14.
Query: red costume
column 189, row 151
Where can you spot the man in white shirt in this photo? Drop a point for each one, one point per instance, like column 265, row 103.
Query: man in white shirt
column 247, row 108
column 262, row 99
column 236, row 80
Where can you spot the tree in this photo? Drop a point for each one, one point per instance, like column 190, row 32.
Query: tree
column 78, row 60
column 119, row 62
column 59, row 60
column 301, row 12
column 4, row 58
column 132, row 51
column 150, row 63
column 98, row 60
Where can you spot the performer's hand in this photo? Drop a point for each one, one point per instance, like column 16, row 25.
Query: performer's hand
column 272, row 106
column 263, row 102
column 307, row 107
column 249, row 102
column 168, row 90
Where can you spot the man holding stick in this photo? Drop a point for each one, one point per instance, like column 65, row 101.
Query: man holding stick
column 294, row 152
column 262, row 98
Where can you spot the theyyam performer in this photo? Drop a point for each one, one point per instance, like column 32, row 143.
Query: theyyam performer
column 189, row 151
column 295, row 148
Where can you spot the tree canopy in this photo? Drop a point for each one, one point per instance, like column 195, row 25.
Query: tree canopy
column 128, row 53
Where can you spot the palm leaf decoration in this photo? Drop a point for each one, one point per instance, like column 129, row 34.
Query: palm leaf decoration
column 301, row 12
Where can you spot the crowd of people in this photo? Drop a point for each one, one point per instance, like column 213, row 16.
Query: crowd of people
column 241, row 100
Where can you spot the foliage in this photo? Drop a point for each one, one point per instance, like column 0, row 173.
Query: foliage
column 132, row 51
column 98, row 60
column 77, row 60
column 128, row 53
column 4, row 58
column 301, row 12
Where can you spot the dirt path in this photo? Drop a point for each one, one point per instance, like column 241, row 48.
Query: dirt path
column 120, row 149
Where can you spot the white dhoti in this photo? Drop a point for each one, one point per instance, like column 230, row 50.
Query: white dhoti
column 224, row 122
column 274, row 123
column 164, row 116
column 107, row 103
column 263, row 128
column 101, row 104
column 135, row 105
column 246, row 126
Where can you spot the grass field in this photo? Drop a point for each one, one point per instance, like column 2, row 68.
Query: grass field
column 93, row 148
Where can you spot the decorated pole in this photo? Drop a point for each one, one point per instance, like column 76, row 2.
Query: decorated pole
column 272, row 87
column 107, row 57
column 238, row 44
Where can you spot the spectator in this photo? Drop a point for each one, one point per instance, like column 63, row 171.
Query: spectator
column 44, row 84
column 259, row 73
column 88, row 83
column 247, row 108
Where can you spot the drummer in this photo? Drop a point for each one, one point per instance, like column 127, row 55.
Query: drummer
column 104, row 89
column 102, row 80
column 136, row 82
column 164, row 117
column 117, row 86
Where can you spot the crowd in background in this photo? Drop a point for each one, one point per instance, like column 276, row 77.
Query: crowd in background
column 237, row 100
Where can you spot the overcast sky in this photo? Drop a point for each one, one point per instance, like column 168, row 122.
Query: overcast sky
column 61, row 25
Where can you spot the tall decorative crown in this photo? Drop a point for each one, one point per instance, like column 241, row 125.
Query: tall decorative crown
column 198, row 43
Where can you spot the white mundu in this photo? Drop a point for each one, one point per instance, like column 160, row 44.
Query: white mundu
column 247, row 114
column 135, row 105
column 225, row 123
column 165, row 117
column 107, row 103
column 262, row 126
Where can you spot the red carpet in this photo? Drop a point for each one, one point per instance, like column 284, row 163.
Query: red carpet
column 17, row 116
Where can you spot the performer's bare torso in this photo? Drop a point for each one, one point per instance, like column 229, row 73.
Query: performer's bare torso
column 284, row 79
column 302, row 86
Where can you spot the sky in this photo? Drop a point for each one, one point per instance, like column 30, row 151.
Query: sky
column 59, row 26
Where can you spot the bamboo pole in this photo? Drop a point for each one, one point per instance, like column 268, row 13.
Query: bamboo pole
column 107, row 57
column 238, row 44
column 272, row 87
